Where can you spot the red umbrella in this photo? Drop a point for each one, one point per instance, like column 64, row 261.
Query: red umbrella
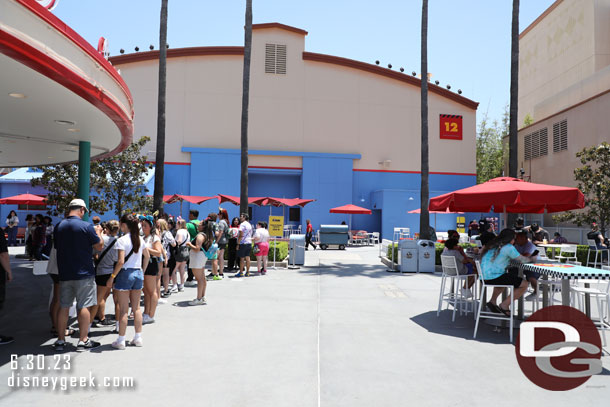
column 189, row 198
column 23, row 199
column 351, row 209
column 288, row 201
column 418, row 210
column 510, row 195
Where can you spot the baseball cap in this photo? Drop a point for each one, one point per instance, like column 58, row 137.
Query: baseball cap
column 535, row 227
column 78, row 202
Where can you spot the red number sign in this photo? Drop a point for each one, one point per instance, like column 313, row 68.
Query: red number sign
column 451, row 126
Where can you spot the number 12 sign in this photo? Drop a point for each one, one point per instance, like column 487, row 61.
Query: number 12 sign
column 451, row 126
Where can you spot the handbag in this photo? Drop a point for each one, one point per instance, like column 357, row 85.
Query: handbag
column 182, row 252
column 256, row 249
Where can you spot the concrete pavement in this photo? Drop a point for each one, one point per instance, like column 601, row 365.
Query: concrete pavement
column 340, row 331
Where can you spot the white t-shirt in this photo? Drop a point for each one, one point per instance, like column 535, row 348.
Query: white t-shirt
column 135, row 260
column 261, row 235
column 246, row 228
column 181, row 236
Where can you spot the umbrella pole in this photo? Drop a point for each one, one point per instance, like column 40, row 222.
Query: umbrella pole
column 181, row 207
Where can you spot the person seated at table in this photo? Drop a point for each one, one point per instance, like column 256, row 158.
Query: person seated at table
column 557, row 238
column 537, row 234
column 496, row 257
column 527, row 249
column 473, row 228
column 487, row 235
column 465, row 265
column 519, row 224
column 600, row 241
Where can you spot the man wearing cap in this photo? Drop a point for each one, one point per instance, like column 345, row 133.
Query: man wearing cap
column 75, row 241
column 537, row 234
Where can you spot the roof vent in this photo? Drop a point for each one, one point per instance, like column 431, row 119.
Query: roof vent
column 275, row 59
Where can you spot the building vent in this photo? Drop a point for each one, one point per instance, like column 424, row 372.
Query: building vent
column 536, row 144
column 275, row 59
column 560, row 136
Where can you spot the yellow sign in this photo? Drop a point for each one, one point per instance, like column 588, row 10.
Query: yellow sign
column 461, row 224
column 276, row 226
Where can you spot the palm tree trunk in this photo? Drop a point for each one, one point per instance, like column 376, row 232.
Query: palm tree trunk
column 243, row 190
column 160, row 150
column 424, row 216
column 513, row 141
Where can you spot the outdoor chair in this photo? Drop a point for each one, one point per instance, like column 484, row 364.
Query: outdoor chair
column 567, row 252
column 482, row 312
column 374, row 237
column 454, row 296
column 598, row 253
column 599, row 291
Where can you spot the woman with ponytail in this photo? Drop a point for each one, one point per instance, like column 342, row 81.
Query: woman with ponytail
column 495, row 258
column 128, row 278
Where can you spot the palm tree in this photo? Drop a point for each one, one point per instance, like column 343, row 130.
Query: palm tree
column 513, row 143
column 424, row 217
column 243, row 190
column 160, row 151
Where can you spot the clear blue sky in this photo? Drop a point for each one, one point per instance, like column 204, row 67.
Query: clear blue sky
column 468, row 41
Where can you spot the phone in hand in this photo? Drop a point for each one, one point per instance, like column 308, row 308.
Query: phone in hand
column 535, row 253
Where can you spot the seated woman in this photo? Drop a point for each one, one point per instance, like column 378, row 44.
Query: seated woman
column 496, row 257
column 465, row 265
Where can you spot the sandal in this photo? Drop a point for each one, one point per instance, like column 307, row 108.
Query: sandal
column 494, row 308
column 505, row 311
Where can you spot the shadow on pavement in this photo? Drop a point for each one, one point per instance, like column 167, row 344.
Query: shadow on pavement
column 356, row 270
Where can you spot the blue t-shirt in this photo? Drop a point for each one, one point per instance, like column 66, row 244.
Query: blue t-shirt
column 497, row 267
column 74, row 240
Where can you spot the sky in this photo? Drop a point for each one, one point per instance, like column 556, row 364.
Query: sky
column 468, row 41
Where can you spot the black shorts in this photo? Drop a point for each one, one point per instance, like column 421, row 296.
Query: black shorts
column 55, row 278
column 222, row 246
column 171, row 264
column 102, row 279
column 152, row 269
column 506, row 279
column 244, row 250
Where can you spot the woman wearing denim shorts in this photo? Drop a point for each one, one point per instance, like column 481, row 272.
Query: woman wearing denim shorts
column 128, row 279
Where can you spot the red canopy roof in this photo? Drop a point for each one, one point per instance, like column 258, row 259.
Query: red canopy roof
column 510, row 195
column 235, row 200
column 288, row 201
column 352, row 209
column 189, row 198
column 418, row 210
column 23, row 199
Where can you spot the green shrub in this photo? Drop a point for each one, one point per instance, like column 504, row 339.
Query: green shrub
column 280, row 248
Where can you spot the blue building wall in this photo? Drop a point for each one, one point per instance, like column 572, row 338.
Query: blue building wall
column 275, row 183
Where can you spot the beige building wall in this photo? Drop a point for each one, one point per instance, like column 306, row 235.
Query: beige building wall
column 315, row 107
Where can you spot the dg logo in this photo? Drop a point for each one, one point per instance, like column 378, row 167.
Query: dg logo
column 559, row 348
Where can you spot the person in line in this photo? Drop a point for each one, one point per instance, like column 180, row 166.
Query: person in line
column 261, row 241
column 536, row 234
column 181, row 257
column 309, row 235
column 46, row 250
column 152, row 243
column 168, row 242
column 192, row 228
column 557, row 238
column 96, row 220
column 211, row 223
column 12, row 226
column 222, row 237
column 5, row 277
column 527, row 249
column 245, row 245
column 29, row 223
column 232, row 245
column 465, row 265
column 75, row 240
column 496, row 257
column 39, row 236
column 104, row 266
column 128, row 279
column 198, row 260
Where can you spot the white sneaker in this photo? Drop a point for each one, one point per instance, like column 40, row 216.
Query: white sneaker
column 466, row 293
column 137, row 342
column 174, row 289
column 532, row 296
column 200, row 301
column 118, row 345
column 146, row 319
column 190, row 284
column 162, row 301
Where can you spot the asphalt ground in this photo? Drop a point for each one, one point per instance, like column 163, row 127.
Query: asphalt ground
column 339, row 331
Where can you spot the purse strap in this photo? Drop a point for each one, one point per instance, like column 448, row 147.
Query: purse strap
column 99, row 260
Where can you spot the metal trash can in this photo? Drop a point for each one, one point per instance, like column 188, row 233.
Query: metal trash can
column 408, row 255
column 426, row 256
column 336, row 235
column 296, row 249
